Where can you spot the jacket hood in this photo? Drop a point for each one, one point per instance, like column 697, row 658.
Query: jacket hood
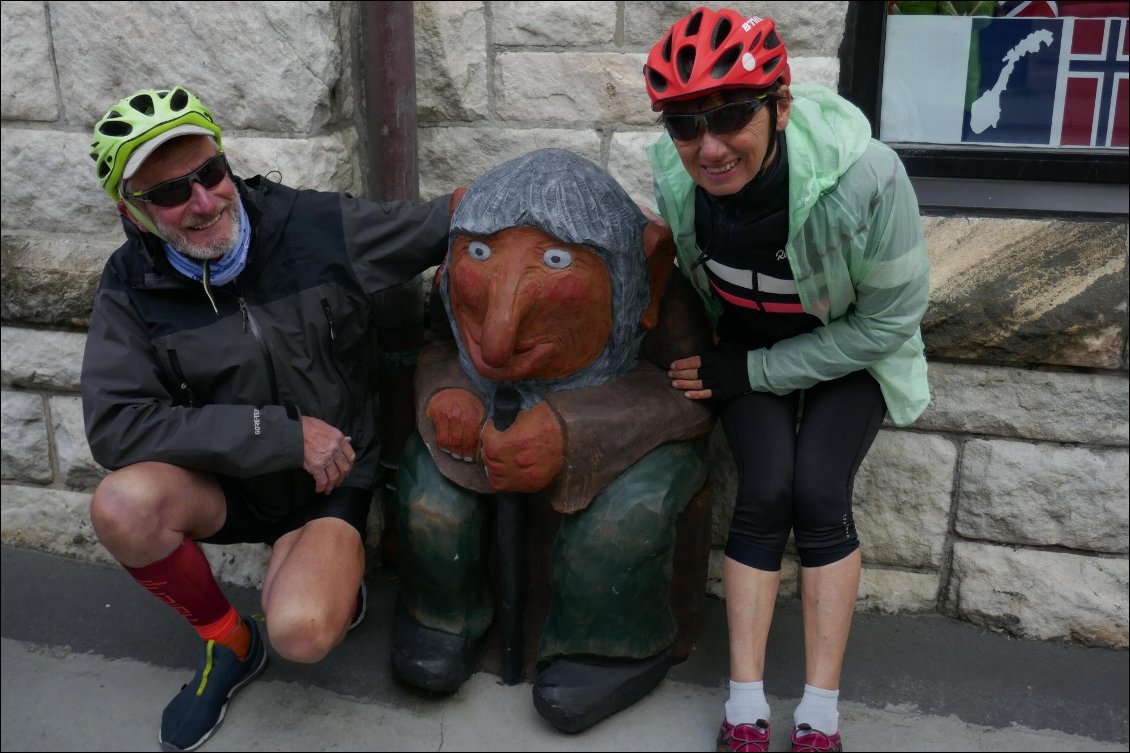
column 827, row 135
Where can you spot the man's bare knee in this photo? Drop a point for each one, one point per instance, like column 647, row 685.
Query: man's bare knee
column 141, row 513
column 303, row 636
column 124, row 511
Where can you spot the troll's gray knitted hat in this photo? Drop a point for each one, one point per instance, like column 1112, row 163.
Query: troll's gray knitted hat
column 567, row 196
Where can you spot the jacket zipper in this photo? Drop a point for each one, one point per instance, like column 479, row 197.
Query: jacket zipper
column 757, row 292
column 333, row 354
column 250, row 323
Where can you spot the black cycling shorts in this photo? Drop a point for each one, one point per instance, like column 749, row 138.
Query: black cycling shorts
column 798, row 475
column 243, row 526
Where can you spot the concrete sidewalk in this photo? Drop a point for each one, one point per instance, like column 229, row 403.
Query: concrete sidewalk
column 89, row 661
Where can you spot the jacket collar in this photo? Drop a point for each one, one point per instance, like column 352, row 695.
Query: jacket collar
column 267, row 205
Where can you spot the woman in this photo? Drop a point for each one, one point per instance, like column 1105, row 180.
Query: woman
column 803, row 237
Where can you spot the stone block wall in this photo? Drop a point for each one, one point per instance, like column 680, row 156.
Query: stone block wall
column 1004, row 505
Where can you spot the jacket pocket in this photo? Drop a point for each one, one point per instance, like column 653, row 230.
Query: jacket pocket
column 184, row 392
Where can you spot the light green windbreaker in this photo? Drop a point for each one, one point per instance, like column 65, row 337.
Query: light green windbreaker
column 855, row 247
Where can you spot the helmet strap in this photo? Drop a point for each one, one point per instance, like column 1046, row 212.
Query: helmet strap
column 137, row 217
column 772, row 140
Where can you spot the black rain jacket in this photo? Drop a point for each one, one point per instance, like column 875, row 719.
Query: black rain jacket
column 164, row 378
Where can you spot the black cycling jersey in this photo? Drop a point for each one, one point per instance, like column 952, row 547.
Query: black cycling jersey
column 742, row 238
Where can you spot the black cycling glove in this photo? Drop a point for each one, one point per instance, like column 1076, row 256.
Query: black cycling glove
column 725, row 374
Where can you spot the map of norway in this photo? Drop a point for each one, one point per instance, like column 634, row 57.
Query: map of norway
column 1048, row 82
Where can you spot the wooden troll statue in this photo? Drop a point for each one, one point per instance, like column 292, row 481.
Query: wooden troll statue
column 564, row 315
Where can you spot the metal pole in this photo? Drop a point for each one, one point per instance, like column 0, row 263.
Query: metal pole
column 389, row 54
column 389, row 72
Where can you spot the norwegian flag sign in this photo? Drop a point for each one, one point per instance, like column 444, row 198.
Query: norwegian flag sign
column 1095, row 107
column 1047, row 82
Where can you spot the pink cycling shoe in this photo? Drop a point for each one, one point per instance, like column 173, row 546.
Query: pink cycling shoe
column 744, row 738
column 810, row 740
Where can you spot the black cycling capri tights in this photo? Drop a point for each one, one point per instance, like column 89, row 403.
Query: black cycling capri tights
column 799, row 476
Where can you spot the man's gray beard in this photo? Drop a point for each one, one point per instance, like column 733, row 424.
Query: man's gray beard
column 209, row 252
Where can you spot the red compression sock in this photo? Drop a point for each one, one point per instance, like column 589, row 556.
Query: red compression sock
column 229, row 631
column 184, row 581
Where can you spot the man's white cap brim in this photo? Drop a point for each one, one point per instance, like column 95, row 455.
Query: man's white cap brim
column 142, row 152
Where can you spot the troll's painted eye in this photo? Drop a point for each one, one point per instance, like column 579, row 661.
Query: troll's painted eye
column 556, row 258
column 478, row 251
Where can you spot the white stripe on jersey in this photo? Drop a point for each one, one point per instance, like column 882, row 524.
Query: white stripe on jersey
column 743, row 278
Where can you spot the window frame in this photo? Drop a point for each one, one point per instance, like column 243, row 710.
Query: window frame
column 1071, row 182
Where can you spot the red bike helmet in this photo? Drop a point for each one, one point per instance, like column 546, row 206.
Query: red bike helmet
column 710, row 50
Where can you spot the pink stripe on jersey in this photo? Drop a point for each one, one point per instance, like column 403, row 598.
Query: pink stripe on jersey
column 770, row 307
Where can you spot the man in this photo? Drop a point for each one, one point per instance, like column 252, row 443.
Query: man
column 557, row 291
column 223, row 384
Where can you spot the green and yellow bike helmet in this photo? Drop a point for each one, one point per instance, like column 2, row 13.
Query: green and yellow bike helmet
column 138, row 124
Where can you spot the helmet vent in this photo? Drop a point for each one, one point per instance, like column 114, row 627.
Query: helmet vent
column 772, row 41
column 726, row 62
column 658, row 81
column 684, row 64
column 115, row 128
column 756, row 39
column 667, row 49
column 179, row 100
column 693, row 24
column 103, row 169
column 143, row 103
column 721, row 31
column 769, row 65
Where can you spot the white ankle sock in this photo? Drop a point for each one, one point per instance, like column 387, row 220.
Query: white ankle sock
column 747, row 703
column 818, row 708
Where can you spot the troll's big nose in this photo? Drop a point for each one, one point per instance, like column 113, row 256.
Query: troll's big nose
column 506, row 306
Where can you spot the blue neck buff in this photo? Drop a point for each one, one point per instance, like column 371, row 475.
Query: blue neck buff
column 220, row 271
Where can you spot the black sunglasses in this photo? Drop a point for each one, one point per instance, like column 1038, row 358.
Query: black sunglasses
column 177, row 191
column 720, row 121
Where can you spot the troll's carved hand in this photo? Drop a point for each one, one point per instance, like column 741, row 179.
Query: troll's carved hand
column 457, row 415
column 527, row 456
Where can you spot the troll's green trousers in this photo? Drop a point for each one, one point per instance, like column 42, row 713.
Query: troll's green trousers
column 612, row 561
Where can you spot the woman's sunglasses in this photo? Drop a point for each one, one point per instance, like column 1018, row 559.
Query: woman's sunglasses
column 720, row 121
column 177, row 191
